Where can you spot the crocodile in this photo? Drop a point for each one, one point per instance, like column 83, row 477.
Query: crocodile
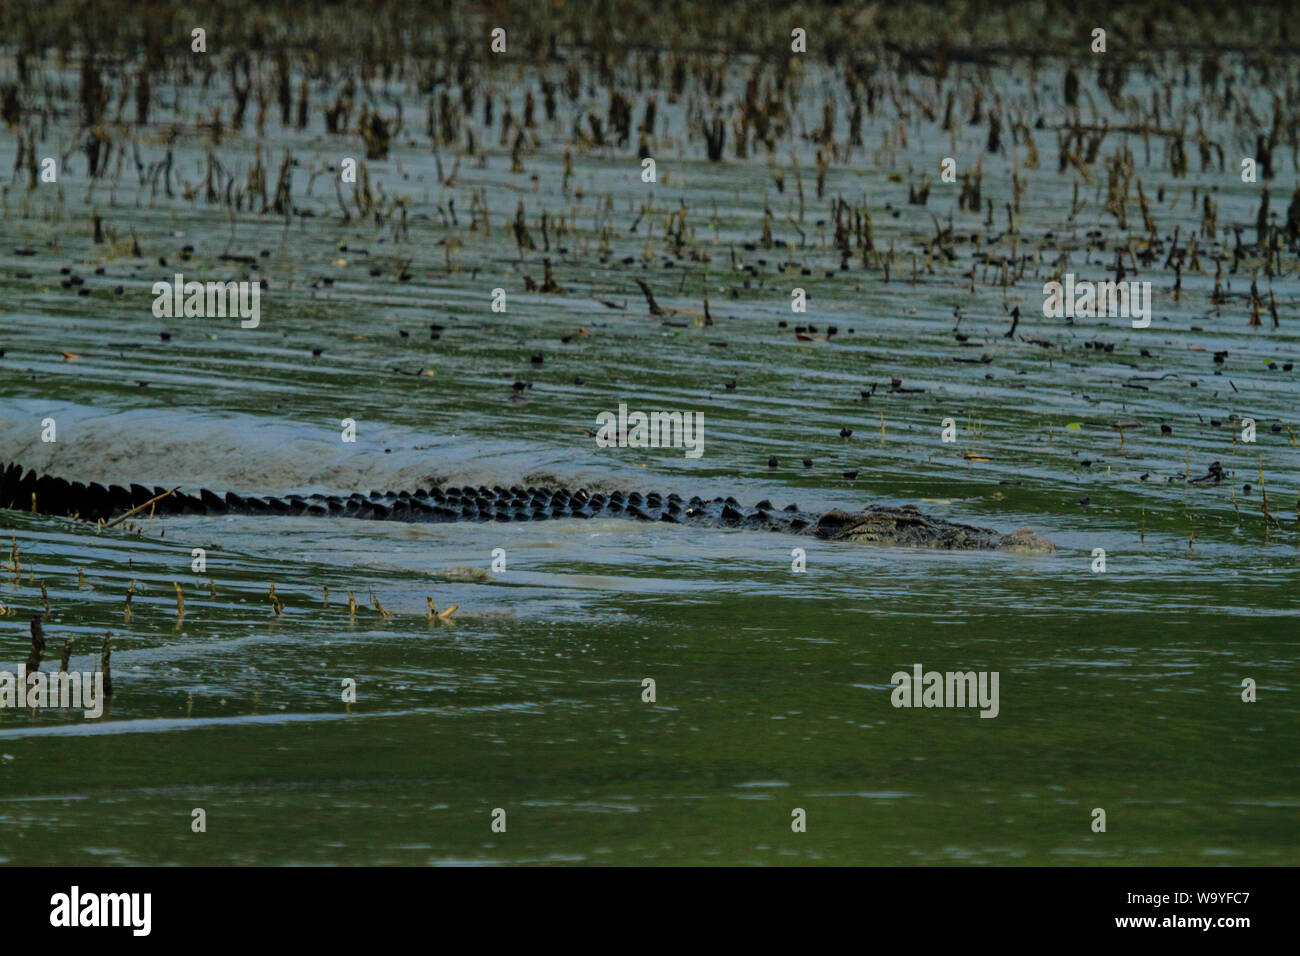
column 905, row 525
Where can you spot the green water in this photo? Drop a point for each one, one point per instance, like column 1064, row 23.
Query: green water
column 1118, row 690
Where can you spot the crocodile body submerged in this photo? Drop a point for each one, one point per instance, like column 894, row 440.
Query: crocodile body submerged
column 880, row 524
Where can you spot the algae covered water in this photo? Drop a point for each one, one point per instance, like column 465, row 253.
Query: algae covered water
column 468, row 304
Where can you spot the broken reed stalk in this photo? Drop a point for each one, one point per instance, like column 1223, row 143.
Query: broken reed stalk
column 67, row 653
column 104, row 655
column 435, row 615
column 38, row 646
column 138, row 508
column 1263, row 505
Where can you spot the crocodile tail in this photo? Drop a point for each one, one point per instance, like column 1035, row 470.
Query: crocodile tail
column 24, row 490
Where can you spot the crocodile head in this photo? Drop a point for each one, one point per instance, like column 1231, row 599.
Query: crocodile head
column 877, row 525
column 908, row 525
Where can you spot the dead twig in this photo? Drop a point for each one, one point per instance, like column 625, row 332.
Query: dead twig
column 137, row 508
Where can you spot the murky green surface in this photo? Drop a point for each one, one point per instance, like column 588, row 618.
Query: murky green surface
column 1119, row 690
